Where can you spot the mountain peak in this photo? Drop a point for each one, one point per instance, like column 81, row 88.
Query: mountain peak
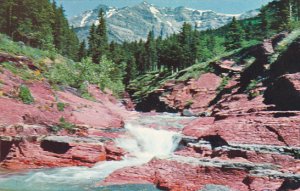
column 145, row 4
column 134, row 23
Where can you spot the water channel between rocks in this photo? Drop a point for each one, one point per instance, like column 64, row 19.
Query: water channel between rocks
column 147, row 137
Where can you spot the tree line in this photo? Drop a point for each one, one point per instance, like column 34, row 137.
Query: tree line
column 41, row 24
column 190, row 46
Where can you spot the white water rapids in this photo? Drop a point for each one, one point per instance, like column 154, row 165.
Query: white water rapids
column 142, row 143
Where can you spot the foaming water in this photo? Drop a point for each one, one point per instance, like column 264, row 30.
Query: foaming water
column 146, row 143
column 142, row 143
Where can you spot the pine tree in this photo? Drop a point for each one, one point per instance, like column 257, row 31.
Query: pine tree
column 265, row 22
column 58, row 27
column 151, row 52
column 159, row 44
column 234, row 36
column 82, row 52
column 72, row 44
column 203, row 51
column 186, row 41
column 171, row 54
column 101, row 39
column 92, row 43
column 140, row 56
column 131, row 70
column 284, row 15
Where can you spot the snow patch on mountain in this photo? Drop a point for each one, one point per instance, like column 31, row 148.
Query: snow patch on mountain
column 134, row 23
column 111, row 12
column 84, row 19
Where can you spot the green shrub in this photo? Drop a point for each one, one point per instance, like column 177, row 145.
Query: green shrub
column 85, row 93
column 63, row 74
column 189, row 103
column 22, row 71
column 223, row 84
column 25, row 95
column 61, row 106
column 251, row 87
column 63, row 124
column 106, row 75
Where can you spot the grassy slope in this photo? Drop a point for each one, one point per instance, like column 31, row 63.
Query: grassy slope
column 59, row 70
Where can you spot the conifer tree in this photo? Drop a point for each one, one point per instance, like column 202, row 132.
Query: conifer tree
column 72, row 44
column 92, row 43
column 37, row 23
column 131, row 70
column 186, row 41
column 101, row 38
column 140, row 56
column 58, row 27
column 234, row 36
column 284, row 15
column 151, row 52
column 82, row 52
column 265, row 21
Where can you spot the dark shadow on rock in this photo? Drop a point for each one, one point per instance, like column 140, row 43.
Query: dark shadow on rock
column 5, row 147
column 289, row 184
column 215, row 141
column 55, row 147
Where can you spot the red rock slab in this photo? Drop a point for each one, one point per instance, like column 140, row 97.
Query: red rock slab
column 257, row 183
column 176, row 176
column 197, row 92
column 113, row 152
column 13, row 111
column 23, row 130
column 286, row 163
column 283, row 131
column 103, row 133
column 89, row 112
column 199, row 126
column 238, row 104
column 29, row 155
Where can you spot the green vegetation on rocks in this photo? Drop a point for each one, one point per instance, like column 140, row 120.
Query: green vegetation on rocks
column 25, row 94
column 224, row 82
column 61, row 106
column 63, row 125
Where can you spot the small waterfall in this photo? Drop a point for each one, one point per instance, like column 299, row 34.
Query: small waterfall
column 148, row 143
column 142, row 143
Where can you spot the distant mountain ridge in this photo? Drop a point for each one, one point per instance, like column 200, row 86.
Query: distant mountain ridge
column 134, row 23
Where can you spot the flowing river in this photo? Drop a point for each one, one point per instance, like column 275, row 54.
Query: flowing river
column 143, row 143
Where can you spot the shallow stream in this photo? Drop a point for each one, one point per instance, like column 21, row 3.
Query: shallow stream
column 143, row 143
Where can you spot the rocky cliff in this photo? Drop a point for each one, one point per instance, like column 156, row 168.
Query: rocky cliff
column 47, row 126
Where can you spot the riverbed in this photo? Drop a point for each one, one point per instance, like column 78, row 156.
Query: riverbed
column 147, row 136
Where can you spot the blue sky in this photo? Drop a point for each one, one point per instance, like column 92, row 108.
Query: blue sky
column 75, row 7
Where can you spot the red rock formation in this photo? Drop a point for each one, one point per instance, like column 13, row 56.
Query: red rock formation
column 195, row 94
column 179, row 175
column 24, row 128
column 32, row 146
column 249, row 139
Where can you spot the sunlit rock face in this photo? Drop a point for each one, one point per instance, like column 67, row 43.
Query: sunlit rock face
column 134, row 23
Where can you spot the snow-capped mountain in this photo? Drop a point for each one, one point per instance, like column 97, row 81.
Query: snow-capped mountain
column 134, row 23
